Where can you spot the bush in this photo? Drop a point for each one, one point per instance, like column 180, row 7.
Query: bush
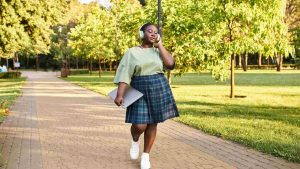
column 78, row 71
column 9, row 75
column 284, row 66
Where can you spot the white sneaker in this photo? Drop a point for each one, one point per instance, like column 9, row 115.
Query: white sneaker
column 134, row 150
column 145, row 161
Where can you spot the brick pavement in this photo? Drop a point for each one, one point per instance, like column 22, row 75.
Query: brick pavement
column 58, row 125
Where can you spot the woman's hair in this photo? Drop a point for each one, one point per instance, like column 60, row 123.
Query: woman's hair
column 144, row 27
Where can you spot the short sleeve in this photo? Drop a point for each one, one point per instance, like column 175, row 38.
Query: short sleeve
column 125, row 69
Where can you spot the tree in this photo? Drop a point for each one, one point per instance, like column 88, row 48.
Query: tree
column 13, row 36
column 105, row 34
column 128, row 16
column 207, row 35
column 292, row 14
column 26, row 25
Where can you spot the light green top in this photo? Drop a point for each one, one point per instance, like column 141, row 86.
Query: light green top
column 138, row 61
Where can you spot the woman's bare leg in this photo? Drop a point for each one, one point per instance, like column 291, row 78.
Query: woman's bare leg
column 149, row 137
column 137, row 130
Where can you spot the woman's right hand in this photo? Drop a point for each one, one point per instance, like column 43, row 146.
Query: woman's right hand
column 119, row 100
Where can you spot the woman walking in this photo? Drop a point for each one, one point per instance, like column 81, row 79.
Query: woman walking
column 142, row 68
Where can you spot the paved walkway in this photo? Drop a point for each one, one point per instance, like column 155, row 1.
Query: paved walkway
column 58, row 125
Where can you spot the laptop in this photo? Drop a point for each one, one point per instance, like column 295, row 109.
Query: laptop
column 131, row 95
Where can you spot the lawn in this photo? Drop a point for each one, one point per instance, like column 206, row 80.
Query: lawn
column 9, row 90
column 265, row 116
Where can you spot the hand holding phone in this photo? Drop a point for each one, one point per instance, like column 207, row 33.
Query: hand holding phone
column 158, row 41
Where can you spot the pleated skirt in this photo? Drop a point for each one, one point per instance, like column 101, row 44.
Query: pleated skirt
column 157, row 103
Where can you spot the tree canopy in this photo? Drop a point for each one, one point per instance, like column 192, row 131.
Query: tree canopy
column 202, row 35
column 25, row 25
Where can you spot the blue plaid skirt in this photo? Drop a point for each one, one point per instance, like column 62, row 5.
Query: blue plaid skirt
column 157, row 103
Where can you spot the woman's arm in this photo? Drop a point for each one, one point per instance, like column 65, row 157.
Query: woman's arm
column 120, row 94
column 166, row 56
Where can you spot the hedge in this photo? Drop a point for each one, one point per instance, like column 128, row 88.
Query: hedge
column 78, row 71
column 9, row 75
column 284, row 66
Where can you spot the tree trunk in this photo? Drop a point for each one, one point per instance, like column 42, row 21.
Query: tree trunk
column 68, row 62
column 279, row 62
column 245, row 61
column 235, row 65
column 37, row 64
column 169, row 76
column 259, row 60
column 14, row 61
column 159, row 17
column 91, row 66
column 232, row 76
column 240, row 61
column 27, row 61
column 99, row 62
column 83, row 63
column 110, row 66
column 76, row 62
column 268, row 61
column 7, row 64
column 68, row 65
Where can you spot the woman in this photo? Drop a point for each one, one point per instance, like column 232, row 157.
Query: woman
column 142, row 68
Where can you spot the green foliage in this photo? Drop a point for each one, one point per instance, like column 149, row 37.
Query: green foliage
column 105, row 34
column 202, row 35
column 9, row 75
column 128, row 17
column 13, row 36
column 26, row 25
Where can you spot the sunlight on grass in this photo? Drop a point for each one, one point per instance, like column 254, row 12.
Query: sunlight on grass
column 9, row 90
column 265, row 117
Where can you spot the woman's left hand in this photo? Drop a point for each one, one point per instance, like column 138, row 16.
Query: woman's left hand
column 158, row 41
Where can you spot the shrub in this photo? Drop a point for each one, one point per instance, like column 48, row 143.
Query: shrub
column 78, row 71
column 9, row 75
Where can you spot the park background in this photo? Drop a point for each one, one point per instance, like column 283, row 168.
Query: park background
column 209, row 40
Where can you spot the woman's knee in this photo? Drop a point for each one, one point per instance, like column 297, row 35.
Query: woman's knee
column 140, row 127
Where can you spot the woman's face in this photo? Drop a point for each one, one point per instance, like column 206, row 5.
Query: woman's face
column 150, row 34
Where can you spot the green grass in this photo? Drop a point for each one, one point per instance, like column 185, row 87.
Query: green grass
column 265, row 117
column 9, row 90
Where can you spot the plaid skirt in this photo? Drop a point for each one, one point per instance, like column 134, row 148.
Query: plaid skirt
column 157, row 103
